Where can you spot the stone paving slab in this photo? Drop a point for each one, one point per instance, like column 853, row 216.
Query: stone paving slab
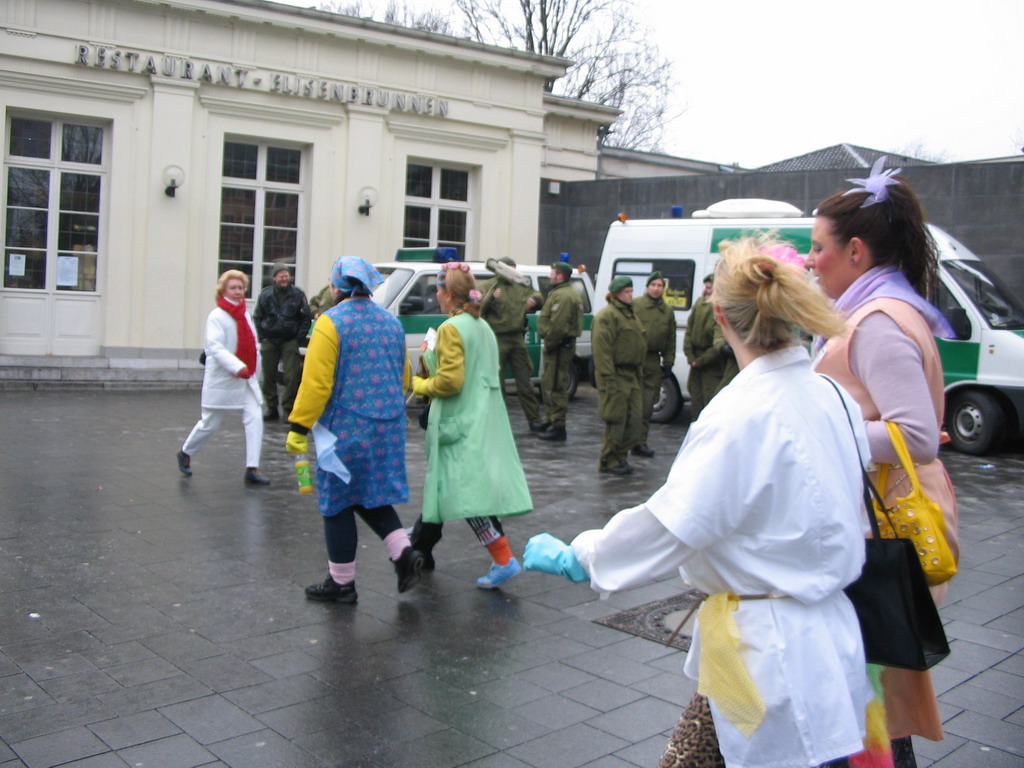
column 150, row 619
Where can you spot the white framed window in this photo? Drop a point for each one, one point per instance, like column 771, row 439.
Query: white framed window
column 261, row 201
column 54, row 209
column 438, row 211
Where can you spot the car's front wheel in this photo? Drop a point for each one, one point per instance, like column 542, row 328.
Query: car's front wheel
column 975, row 421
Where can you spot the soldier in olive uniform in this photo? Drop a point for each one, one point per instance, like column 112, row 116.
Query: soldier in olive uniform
column 504, row 306
column 619, row 347
column 705, row 359
column 560, row 324
column 659, row 323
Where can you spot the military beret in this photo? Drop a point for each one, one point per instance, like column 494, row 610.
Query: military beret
column 619, row 283
column 709, row 277
column 655, row 276
column 564, row 267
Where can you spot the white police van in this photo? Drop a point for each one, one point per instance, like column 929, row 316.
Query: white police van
column 409, row 292
column 983, row 365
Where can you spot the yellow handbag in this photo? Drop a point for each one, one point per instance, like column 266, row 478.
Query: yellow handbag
column 916, row 517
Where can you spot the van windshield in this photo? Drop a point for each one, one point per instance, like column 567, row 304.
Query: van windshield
column 390, row 288
column 1000, row 308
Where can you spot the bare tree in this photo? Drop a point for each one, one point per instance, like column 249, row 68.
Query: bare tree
column 615, row 64
column 397, row 13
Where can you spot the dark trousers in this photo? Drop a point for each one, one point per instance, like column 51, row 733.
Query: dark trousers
column 340, row 529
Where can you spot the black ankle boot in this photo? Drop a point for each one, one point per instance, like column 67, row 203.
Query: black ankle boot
column 408, row 567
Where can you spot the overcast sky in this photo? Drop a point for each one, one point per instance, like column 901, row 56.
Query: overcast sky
column 760, row 81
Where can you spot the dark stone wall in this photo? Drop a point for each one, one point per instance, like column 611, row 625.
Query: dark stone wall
column 980, row 204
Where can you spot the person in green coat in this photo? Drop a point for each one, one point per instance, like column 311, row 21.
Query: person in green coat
column 730, row 366
column 705, row 359
column 659, row 322
column 473, row 469
column 504, row 306
column 619, row 348
column 560, row 324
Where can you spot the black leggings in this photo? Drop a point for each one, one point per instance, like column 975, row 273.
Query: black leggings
column 426, row 535
column 340, row 529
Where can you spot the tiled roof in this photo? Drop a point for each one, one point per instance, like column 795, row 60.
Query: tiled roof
column 840, row 156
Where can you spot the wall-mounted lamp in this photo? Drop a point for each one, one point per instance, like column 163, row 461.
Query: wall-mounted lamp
column 172, row 178
column 368, row 198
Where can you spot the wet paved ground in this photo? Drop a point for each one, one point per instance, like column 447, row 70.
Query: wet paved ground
column 150, row 620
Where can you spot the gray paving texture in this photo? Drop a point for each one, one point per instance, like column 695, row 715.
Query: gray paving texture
column 151, row 620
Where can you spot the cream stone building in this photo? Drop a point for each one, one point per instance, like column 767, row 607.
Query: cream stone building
column 148, row 146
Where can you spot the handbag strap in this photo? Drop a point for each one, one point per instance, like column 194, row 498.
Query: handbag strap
column 896, row 435
column 870, row 491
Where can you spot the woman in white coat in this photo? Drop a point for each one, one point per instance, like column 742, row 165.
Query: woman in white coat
column 762, row 511
column 230, row 382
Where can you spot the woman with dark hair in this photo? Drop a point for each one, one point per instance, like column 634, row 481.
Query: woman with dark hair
column 352, row 396
column 762, row 510
column 473, row 469
column 872, row 253
column 230, row 377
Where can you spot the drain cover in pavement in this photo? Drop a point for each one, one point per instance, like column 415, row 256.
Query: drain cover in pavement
column 658, row 620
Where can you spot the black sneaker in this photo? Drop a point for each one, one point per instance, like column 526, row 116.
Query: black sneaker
column 330, row 591
column 408, row 567
column 643, row 450
column 540, row 426
column 185, row 464
column 253, row 477
column 620, row 470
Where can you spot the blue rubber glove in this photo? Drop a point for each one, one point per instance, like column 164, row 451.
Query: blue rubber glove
column 547, row 554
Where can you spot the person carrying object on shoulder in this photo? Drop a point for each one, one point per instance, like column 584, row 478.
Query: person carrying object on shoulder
column 504, row 306
column 282, row 318
column 352, row 396
column 559, row 325
column 772, row 533
column 659, row 323
column 230, row 374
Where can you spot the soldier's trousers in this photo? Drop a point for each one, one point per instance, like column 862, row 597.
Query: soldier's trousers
column 512, row 351
column 554, row 380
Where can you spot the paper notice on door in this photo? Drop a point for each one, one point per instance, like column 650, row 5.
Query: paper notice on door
column 16, row 264
column 67, row 271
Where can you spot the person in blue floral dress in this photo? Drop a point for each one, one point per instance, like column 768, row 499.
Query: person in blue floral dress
column 352, row 397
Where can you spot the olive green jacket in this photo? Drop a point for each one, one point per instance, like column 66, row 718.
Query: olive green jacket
column 699, row 344
column 505, row 314
column 617, row 341
column 561, row 319
column 659, row 323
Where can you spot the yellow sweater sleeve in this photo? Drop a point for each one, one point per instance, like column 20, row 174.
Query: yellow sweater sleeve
column 317, row 373
column 451, row 366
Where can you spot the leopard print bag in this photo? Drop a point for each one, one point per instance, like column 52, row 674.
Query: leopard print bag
column 694, row 743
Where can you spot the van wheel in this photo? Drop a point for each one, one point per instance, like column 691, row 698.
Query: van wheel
column 975, row 422
column 574, row 380
column 669, row 402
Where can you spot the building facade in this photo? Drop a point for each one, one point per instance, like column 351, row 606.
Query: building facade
column 150, row 146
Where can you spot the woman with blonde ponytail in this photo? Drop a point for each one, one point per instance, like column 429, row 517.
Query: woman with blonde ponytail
column 762, row 511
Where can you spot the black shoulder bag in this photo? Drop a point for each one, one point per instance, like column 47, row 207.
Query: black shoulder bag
column 898, row 618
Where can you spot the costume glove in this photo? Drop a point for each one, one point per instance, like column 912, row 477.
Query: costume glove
column 297, row 443
column 547, row 554
column 419, row 386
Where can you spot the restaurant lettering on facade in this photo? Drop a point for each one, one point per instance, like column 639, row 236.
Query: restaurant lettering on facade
column 272, row 82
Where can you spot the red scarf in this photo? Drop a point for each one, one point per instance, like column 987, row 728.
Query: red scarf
column 246, row 351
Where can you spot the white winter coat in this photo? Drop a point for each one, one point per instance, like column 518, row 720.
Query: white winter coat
column 221, row 387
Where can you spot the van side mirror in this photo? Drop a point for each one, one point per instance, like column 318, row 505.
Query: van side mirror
column 959, row 322
column 413, row 305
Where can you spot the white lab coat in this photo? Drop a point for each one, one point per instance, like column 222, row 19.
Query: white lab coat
column 765, row 497
column 221, row 387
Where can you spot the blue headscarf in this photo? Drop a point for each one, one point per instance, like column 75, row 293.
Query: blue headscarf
column 355, row 276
